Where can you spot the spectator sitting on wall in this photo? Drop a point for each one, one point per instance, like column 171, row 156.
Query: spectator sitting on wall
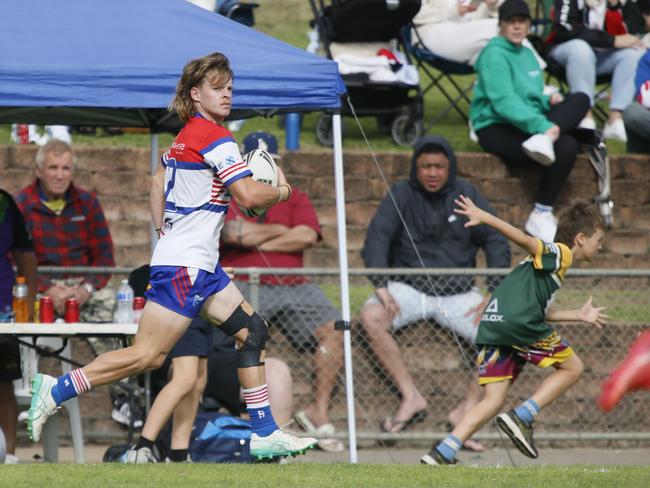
column 587, row 42
column 278, row 239
column 415, row 227
column 516, row 121
column 69, row 229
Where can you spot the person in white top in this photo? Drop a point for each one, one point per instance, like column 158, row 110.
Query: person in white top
column 189, row 197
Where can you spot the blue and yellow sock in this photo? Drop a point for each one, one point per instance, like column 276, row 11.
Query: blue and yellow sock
column 449, row 446
column 527, row 411
column 70, row 385
column 259, row 410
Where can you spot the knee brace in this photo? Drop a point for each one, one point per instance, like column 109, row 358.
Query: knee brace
column 248, row 355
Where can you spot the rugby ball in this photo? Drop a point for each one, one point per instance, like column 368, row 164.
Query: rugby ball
column 264, row 170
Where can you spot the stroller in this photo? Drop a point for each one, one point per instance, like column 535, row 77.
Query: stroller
column 396, row 101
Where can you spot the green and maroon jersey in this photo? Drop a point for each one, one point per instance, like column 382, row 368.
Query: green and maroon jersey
column 516, row 314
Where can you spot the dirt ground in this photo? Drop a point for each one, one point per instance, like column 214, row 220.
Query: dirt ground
column 93, row 454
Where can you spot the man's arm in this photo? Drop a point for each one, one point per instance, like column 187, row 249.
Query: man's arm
column 157, row 198
column 241, row 233
column 296, row 239
column 477, row 216
column 587, row 314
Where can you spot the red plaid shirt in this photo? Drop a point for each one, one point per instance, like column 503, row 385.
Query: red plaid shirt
column 79, row 236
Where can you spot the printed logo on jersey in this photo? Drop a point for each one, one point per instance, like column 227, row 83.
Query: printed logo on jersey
column 491, row 313
column 229, row 161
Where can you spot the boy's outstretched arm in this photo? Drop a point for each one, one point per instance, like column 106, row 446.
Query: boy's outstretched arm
column 478, row 216
column 587, row 314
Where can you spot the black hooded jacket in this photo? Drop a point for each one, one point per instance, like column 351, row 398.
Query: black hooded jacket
column 439, row 234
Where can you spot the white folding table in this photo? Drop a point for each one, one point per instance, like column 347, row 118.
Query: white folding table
column 50, row 435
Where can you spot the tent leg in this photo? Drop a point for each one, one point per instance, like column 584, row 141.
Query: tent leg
column 153, row 146
column 345, row 295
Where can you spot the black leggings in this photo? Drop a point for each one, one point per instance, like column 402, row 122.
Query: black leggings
column 504, row 140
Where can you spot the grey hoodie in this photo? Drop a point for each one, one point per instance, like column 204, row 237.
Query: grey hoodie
column 439, row 234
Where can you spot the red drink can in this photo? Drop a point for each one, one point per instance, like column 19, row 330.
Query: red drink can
column 46, row 310
column 71, row 310
column 138, row 303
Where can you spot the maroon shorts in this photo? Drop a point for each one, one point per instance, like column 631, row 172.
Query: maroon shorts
column 504, row 363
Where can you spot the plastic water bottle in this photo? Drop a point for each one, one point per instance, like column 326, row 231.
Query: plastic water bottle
column 314, row 41
column 124, row 311
column 21, row 309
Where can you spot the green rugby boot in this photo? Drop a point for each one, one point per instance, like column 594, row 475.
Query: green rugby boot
column 279, row 444
column 520, row 432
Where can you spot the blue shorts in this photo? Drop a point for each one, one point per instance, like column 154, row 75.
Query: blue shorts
column 183, row 290
column 197, row 340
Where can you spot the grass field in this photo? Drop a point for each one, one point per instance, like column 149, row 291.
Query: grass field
column 319, row 475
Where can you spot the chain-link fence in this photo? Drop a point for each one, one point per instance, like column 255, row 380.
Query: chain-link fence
column 440, row 362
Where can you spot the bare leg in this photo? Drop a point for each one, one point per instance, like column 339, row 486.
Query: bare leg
column 185, row 411
column 472, row 397
column 565, row 375
column 280, row 384
column 181, row 385
column 477, row 416
column 158, row 330
column 377, row 325
column 8, row 415
column 328, row 359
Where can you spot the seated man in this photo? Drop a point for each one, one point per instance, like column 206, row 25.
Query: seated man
column 278, row 239
column 69, row 229
column 420, row 211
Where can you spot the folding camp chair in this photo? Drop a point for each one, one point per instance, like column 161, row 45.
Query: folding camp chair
column 457, row 96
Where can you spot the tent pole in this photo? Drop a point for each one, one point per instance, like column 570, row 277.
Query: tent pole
column 153, row 146
column 345, row 295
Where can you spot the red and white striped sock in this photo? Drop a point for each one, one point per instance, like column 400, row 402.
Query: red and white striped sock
column 79, row 380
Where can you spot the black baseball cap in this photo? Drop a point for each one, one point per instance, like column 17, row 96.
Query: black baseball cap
column 511, row 8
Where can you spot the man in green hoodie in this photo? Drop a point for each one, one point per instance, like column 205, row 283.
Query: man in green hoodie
column 515, row 120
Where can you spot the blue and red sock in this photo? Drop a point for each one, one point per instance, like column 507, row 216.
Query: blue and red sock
column 70, row 385
column 259, row 410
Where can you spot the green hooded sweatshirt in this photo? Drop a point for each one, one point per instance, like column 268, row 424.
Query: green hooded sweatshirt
column 509, row 88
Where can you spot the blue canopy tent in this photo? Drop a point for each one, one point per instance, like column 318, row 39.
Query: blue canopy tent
column 117, row 62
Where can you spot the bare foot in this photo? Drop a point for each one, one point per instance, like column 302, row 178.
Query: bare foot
column 316, row 417
column 407, row 409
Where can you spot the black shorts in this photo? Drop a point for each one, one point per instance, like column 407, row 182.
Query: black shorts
column 9, row 359
column 197, row 340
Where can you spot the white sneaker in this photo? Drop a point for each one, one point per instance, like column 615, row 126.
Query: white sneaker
column 11, row 459
column 542, row 225
column 326, row 444
column 539, row 148
column 138, row 456
column 615, row 131
column 42, row 405
column 279, row 444
column 587, row 123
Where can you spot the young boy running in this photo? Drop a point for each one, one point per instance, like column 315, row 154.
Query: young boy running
column 514, row 327
column 190, row 194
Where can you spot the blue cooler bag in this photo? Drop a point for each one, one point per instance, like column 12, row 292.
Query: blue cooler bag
column 220, row 438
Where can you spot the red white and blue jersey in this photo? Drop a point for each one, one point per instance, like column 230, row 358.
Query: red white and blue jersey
column 200, row 165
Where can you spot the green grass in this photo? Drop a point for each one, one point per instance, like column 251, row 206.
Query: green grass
column 288, row 20
column 320, row 475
